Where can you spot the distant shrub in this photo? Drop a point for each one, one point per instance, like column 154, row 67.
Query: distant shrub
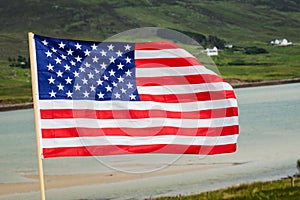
column 20, row 61
column 254, row 50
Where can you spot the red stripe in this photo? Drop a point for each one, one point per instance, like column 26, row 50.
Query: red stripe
column 86, row 132
column 117, row 150
column 136, row 114
column 155, row 45
column 178, row 80
column 181, row 98
column 166, row 62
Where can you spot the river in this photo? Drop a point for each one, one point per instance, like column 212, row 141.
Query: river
column 268, row 147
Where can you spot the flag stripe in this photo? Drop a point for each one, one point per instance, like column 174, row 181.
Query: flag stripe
column 155, row 45
column 199, row 96
column 134, row 141
column 166, row 130
column 138, row 123
column 164, row 53
column 119, row 150
column 166, row 62
column 172, row 71
column 183, row 89
column 178, row 80
column 137, row 105
column 135, row 114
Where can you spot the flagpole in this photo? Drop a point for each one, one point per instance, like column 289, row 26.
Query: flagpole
column 36, row 114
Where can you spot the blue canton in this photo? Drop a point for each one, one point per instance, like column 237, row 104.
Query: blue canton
column 85, row 70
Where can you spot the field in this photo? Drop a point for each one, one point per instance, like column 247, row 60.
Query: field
column 280, row 189
column 243, row 24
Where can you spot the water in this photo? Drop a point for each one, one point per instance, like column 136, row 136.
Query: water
column 268, row 147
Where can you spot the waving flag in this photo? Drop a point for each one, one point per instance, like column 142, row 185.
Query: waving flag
column 96, row 99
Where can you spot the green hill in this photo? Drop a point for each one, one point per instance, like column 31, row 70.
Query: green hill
column 244, row 23
column 235, row 21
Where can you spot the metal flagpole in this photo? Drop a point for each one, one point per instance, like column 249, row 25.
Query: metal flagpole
column 36, row 114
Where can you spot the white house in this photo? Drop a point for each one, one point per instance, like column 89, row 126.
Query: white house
column 283, row 42
column 212, row 52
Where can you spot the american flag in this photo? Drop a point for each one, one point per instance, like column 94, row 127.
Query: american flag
column 111, row 98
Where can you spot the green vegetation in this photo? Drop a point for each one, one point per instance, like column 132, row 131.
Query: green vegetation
column 248, row 25
column 280, row 189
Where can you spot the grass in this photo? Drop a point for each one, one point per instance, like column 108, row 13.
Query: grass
column 242, row 23
column 280, row 189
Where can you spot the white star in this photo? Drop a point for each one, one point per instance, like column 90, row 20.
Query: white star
column 105, row 77
column 52, row 93
column 119, row 53
column 110, row 47
column 78, row 58
column 91, row 75
column 67, row 67
column 63, row 57
column 99, row 82
column 97, row 71
column 70, row 52
column 103, row 53
column 123, row 90
column 87, row 64
column 48, row 53
column 59, row 73
column 45, row 42
column 127, row 47
column 73, row 63
column 121, row 79
column 114, row 84
column 61, row 45
column 108, row 88
column 112, row 59
column 100, row 95
column 129, row 85
column 76, row 74
column 58, row 60
column 69, row 94
column 68, row 80
column 92, row 88
column 95, row 59
column 120, row 66
column 50, row 67
column 51, row 80
column 87, row 52
column 77, row 87
column 103, row 65
column 117, row 95
column 54, row 50
column 132, row 97
column 94, row 47
column 128, row 73
column 112, row 72
column 86, row 94
column 81, row 69
column 60, row 87
column 78, row 46
column 128, row 60
column 84, row 81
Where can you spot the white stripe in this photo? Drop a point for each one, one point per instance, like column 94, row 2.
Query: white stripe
column 183, row 89
column 172, row 71
column 138, row 123
column 127, row 140
column 136, row 105
column 164, row 53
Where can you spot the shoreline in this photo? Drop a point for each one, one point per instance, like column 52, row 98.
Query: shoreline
column 235, row 83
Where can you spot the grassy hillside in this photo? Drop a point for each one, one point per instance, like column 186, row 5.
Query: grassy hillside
column 240, row 22
column 233, row 20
